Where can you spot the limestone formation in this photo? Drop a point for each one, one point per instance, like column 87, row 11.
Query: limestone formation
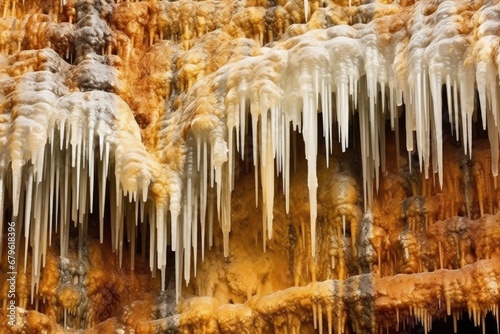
column 249, row 166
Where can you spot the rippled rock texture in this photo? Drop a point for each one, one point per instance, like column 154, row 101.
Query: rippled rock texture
column 249, row 166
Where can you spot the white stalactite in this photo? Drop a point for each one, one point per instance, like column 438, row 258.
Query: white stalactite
column 338, row 71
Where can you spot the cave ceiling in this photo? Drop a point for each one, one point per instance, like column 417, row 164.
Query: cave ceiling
column 252, row 166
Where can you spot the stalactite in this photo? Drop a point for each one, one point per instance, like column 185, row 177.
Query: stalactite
column 94, row 98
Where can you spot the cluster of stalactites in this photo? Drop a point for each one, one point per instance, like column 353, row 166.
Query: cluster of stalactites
column 337, row 72
column 342, row 71
column 57, row 147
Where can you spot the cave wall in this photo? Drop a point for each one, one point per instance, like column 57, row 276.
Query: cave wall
column 248, row 166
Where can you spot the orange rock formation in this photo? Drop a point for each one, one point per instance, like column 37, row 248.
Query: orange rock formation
column 249, row 166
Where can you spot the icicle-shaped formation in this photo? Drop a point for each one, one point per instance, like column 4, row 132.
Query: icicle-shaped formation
column 344, row 70
column 307, row 64
column 366, row 71
column 51, row 146
column 487, row 58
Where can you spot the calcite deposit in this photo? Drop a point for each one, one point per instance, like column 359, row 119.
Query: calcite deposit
column 249, row 166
